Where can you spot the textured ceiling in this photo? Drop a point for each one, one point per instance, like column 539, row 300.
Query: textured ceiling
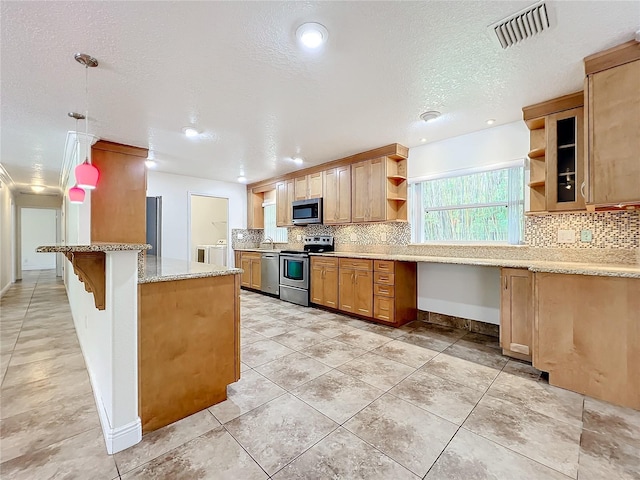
column 235, row 71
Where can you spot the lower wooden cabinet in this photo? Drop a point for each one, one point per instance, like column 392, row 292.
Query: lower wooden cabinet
column 324, row 281
column 251, row 264
column 394, row 292
column 516, row 313
column 356, row 286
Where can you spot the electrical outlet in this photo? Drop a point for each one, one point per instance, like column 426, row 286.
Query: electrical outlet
column 566, row 236
column 240, row 236
column 299, row 238
column 354, row 237
column 383, row 237
column 586, row 236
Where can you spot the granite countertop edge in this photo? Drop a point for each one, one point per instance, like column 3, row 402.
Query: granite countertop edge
column 93, row 247
column 187, row 276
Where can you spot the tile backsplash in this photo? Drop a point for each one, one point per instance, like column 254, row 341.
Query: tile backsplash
column 608, row 229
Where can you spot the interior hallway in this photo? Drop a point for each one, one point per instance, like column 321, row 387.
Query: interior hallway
column 321, row 396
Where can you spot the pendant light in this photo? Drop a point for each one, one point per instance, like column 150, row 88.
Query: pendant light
column 86, row 174
column 76, row 194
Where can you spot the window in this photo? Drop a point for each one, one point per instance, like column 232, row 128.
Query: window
column 278, row 234
column 478, row 206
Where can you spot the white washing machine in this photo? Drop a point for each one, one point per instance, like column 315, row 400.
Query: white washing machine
column 218, row 253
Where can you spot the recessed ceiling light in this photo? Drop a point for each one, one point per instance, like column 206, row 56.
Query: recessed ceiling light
column 150, row 163
column 430, row 115
column 242, row 179
column 297, row 160
column 423, row 140
column 190, row 132
column 37, row 188
column 312, row 35
column 491, row 121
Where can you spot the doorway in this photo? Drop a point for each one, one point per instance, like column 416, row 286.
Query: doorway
column 38, row 226
column 209, row 228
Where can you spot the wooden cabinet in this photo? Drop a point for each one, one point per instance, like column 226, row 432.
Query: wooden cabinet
column 324, row 281
column 308, row 186
column 252, row 266
column 394, row 292
column 238, row 259
column 337, row 195
column 255, row 215
column 613, row 109
column 285, row 193
column 587, row 335
column 355, row 286
column 379, row 190
column 516, row 313
column 556, row 155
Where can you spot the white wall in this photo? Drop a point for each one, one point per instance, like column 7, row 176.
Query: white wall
column 6, row 236
column 462, row 290
column 209, row 221
column 38, row 228
column 174, row 190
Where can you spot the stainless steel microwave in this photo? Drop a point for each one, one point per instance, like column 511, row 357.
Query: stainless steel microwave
column 307, row 211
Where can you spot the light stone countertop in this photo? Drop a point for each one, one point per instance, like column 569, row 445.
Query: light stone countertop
column 93, row 247
column 160, row 269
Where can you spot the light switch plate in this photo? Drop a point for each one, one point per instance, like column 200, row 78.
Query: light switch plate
column 354, row 237
column 299, row 238
column 383, row 237
column 240, row 236
column 586, row 236
column 566, row 236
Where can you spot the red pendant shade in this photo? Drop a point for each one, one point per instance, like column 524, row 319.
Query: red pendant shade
column 76, row 195
column 87, row 175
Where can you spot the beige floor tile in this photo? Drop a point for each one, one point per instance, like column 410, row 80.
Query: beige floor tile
column 293, row 370
column 406, row 353
column 605, row 457
column 251, row 391
column 342, row 455
column 409, row 435
column 262, row 352
column 390, row 332
column 434, row 337
column 81, row 456
column 248, row 336
column 333, row 353
column 378, row 371
column 44, row 369
column 461, row 371
column 522, row 369
column 273, row 328
column 470, row 456
column 618, row 422
column 446, row 399
column 327, row 328
column 277, row 432
column 476, row 353
column 299, row 339
column 363, row 339
column 337, row 395
column 159, row 442
column 536, row 436
column 213, row 456
column 554, row 402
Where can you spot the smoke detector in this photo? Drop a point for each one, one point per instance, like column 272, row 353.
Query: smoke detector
column 524, row 24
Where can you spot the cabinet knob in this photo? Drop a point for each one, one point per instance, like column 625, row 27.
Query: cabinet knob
column 582, row 190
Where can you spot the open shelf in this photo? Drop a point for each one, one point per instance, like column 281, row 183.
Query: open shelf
column 397, row 178
column 568, row 145
column 535, row 123
column 537, row 153
column 539, row 183
column 397, row 199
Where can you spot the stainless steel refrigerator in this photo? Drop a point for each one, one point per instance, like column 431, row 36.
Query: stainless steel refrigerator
column 154, row 225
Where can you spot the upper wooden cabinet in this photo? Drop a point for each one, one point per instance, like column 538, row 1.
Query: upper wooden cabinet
column 284, row 198
column 255, row 215
column 336, row 200
column 613, row 110
column 379, row 190
column 309, row 186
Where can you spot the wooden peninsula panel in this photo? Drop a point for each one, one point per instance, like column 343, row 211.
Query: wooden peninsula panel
column 188, row 346
column 587, row 335
column 118, row 204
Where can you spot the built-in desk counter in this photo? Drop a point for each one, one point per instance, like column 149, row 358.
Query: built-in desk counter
column 159, row 269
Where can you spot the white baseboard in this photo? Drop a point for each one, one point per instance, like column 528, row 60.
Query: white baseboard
column 4, row 290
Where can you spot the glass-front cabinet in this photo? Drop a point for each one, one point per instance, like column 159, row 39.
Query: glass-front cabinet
column 565, row 161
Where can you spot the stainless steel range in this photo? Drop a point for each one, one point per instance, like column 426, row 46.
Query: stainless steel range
column 294, row 269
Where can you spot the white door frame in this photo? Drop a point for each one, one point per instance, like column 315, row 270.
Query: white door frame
column 189, row 195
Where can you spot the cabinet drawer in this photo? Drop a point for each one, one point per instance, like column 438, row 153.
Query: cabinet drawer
column 384, row 308
column 356, row 264
column 384, row 278
column 251, row 255
column 384, row 290
column 324, row 262
column 387, row 266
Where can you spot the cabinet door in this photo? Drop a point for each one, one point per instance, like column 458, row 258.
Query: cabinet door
column 290, row 197
column 282, row 206
column 317, row 283
column 360, row 173
column 256, row 273
column 246, row 274
column 565, row 160
column 255, row 215
column 614, row 135
column 238, row 258
column 363, row 292
column 383, row 308
column 516, row 312
column 330, row 284
column 346, row 293
column 343, row 211
column 330, row 197
column 314, row 185
column 378, row 190
column 300, row 188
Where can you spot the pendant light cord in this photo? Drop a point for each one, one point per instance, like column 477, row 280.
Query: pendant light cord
column 86, row 113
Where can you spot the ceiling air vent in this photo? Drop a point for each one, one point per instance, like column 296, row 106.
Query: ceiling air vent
column 522, row 25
